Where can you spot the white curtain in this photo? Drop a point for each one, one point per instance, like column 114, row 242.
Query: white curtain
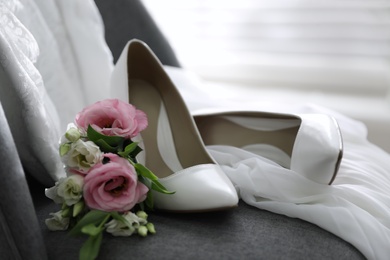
column 334, row 53
column 328, row 45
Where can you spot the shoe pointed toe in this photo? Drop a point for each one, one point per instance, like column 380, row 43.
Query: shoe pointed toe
column 198, row 188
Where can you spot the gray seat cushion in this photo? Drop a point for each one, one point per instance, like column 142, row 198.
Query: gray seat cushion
column 241, row 233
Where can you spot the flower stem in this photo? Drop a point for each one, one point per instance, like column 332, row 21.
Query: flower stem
column 104, row 221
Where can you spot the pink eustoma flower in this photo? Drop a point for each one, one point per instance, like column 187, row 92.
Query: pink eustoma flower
column 113, row 186
column 112, row 117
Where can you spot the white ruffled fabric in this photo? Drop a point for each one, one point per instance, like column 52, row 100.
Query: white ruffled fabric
column 356, row 207
column 53, row 68
column 54, row 62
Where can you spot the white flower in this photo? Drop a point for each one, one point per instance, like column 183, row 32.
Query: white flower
column 68, row 190
column 134, row 220
column 52, row 193
column 72, row 134
column 71, row 189
column 119, row 228
column 57, row 222
column 82, row 155
column 69, row 135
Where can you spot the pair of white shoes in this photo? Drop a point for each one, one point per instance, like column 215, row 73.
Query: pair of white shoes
column 174, row 143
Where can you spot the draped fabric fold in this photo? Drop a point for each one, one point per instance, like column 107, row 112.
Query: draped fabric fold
column 356, row 207
column 54, row 61
column 30, row 112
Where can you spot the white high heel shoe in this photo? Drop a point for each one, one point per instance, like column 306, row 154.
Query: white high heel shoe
column 310, row 144
column 173, row 148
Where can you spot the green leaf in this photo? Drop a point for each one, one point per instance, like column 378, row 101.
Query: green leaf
column 65, row 213
column 106, row 143
column 78, row 207
column 136, row 151
column 119, row 217
column 145, row 181
column 93, row 135
column 129, row 149
column 93, row 217
column 91, row 247
column 105, row 147
column 142, row 206
column 149, row 200
column 145, row 172
column 91, row 230
column 157, row 186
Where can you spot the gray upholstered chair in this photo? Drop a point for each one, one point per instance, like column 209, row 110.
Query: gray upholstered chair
column 242, row 233
column 20, row 234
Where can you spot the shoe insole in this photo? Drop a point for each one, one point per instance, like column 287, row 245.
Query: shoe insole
column 218, row 130
column 181, row 145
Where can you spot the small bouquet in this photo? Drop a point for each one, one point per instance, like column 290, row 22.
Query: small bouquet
column 105, row 188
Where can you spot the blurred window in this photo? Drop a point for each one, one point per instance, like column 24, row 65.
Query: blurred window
column 327, row 45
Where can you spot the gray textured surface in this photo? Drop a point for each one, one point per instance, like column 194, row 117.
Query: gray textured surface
column 242, row 233
column 128, row 19
column 20, row 237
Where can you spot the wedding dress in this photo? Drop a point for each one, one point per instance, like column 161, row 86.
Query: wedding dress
column 356, row 207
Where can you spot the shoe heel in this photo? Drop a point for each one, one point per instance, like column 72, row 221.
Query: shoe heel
column 310, row 144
